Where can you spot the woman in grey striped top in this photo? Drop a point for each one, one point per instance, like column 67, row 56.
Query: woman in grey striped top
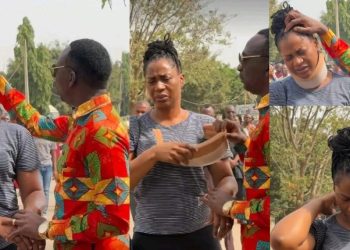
column 301, row 230
column 18, row 161
column 169, row 213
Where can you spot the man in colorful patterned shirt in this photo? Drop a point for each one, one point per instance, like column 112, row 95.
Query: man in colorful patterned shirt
column 337, row 48
column 92, row 192
column 253, row 212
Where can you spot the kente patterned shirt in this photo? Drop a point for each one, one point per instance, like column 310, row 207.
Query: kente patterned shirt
column 92, row 192
column 338, row 49
column 254, row 211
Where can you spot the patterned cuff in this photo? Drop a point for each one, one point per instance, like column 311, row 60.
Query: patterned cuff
column 329, row 38
column 242, row 147
column 59, row 230
column 240, row 210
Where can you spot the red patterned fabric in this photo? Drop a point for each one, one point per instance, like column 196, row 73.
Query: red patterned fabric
column 92, row 193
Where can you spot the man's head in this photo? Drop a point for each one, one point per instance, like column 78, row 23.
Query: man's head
column 141, row 107
column 208, row 110
column 254, row 64
column 230, row 112
column 83, row 68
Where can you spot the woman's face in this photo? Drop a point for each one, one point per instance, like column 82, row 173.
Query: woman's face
column 164, row 83
column 342, row 195
column 300, row 54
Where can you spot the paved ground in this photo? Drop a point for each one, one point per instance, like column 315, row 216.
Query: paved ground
column 49, row 245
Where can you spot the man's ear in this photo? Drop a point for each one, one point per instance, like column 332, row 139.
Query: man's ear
column 72, row 79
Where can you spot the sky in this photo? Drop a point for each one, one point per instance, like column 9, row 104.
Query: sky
column 247, row 18
column 65, row 21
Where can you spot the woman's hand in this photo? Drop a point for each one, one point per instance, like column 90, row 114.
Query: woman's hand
column 328, row 204
column 173, row 152
column 5, row 230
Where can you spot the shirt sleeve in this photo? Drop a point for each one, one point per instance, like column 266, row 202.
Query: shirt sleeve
column 338, row 49
column 105, row 156
column 255, row 211
column 38, row 125
column 27, row 156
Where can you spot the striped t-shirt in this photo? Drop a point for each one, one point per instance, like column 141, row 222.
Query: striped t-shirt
column 167, row 198
column 329, row 235
column 287, row 92
column 17, row 153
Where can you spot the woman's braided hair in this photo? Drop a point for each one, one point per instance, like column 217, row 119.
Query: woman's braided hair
column 161, row 49
column 278, row 26
column 340, row 145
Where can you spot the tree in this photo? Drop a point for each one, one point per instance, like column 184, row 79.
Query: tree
column 39, row 62
column 300, row 157
column 273, row 51
column 118, row 84
column 328, row 18
column 192, row 29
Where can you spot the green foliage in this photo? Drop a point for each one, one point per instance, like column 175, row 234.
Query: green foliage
column 300, row 157
column 328, row 18
column 39, row 61
column 118, row 85
column 192, row 29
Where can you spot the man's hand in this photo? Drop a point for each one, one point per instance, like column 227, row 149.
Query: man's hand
column 221, row 225
column 233, row 129
column 303, row 24
column 27, row 224
column 215, row 199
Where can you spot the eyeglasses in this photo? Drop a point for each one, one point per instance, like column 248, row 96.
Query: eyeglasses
column 54, row 69
column 241, row 57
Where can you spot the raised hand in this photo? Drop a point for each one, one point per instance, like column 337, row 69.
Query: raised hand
column 233, row 129
column 303, row 24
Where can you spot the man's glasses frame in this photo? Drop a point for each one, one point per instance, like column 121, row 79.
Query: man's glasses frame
column 242, row 57
column 54, row 67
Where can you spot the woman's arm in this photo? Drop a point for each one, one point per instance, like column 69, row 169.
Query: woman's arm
column 293, row 231
column 31, row 191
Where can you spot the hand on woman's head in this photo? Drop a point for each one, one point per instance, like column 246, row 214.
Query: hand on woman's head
column 298, row 22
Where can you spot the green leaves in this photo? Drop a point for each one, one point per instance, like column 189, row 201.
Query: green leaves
column 300, row 157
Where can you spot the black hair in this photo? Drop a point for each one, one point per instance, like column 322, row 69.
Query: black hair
column 91, row 61
column 278, row 26
column 161, row 49
column 265, row 33
column 340, row 145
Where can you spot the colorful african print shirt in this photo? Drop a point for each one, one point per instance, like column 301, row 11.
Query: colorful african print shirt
column 254, row 211
column 338, row 49
column 92, row 193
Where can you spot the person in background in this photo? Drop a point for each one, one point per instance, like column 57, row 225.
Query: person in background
column 47, row 158
column 208, row 110
column 141, row 107
column 248, row 123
